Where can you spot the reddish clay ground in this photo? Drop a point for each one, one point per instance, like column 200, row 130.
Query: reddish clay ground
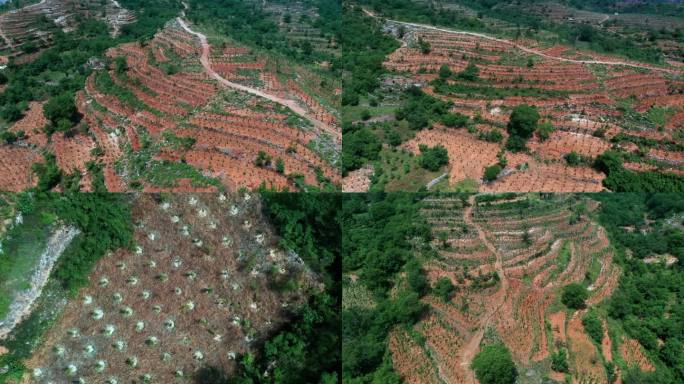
column 633, row 354
column 580, row 99
column 478, row 241
column 229, row 127
column 194, row 292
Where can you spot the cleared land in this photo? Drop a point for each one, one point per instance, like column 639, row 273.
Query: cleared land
column 508, row 259
column 196, row 291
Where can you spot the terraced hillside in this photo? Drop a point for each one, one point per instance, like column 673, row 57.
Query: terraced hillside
column 301, row 22
column 174, row 114
column 34, row 24
column 508, row 260
column 588, row 103
column 193, row 293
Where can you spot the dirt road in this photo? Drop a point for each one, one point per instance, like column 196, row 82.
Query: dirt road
column 291, row 104
column 531, row 50
column 472, row 346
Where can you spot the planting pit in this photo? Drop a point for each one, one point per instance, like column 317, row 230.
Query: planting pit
column 197, row 290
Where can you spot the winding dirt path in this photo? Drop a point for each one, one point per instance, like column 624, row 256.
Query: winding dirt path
column 471, row 348
column 291, row 104
column 530, row 50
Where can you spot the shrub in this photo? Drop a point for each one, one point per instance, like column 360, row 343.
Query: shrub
column 416, row 277
column 120, row 65
column 455, row 120
column 593, row 326
column 444, row 289
column 574, row 295
column 492, row 136
column 494, row 365
column 492, row 172
column 611, row 374
column 8, row 137
column 263, row 159
column 424, row 46
column 280, row 165
column 544, row 131
column 470, row 73
column 445, row 72
column 365, row 115
column 433, row 158
column 572, row 158
column 559, row 361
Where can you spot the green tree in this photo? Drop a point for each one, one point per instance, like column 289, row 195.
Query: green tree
column 470, row 73
column 608, row 161
column 521, row 126
column 574, row 295
column 393, row 138
column 280, row 165
column 49, row 174
column 593, row 326
column 572, row 158
column 415, row 276
column 424, row 46
column 120, row 65
column 263, row 159
column 492, row 172
column 61, row 107
column 359, row 146
column 8, row 137
column 11, row 113
column 433, row 158
column 559, row 361
column 455, row 120
column 494, row 365
column 444, row 289
column 445, row 72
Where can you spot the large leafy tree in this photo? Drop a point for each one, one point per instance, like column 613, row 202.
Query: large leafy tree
column 521, row 126
column 574, row 295
column 494, row 365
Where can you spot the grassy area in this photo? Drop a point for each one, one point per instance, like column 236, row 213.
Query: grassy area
column 356, row 295
column 166, row 173
column 463, row 186
column 562, row 260
column 356, row 113
column 398, row 170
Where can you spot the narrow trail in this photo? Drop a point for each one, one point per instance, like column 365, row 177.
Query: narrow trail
column 22, row 304
column 530, row 50
column 291, row 104
column 471, row 348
